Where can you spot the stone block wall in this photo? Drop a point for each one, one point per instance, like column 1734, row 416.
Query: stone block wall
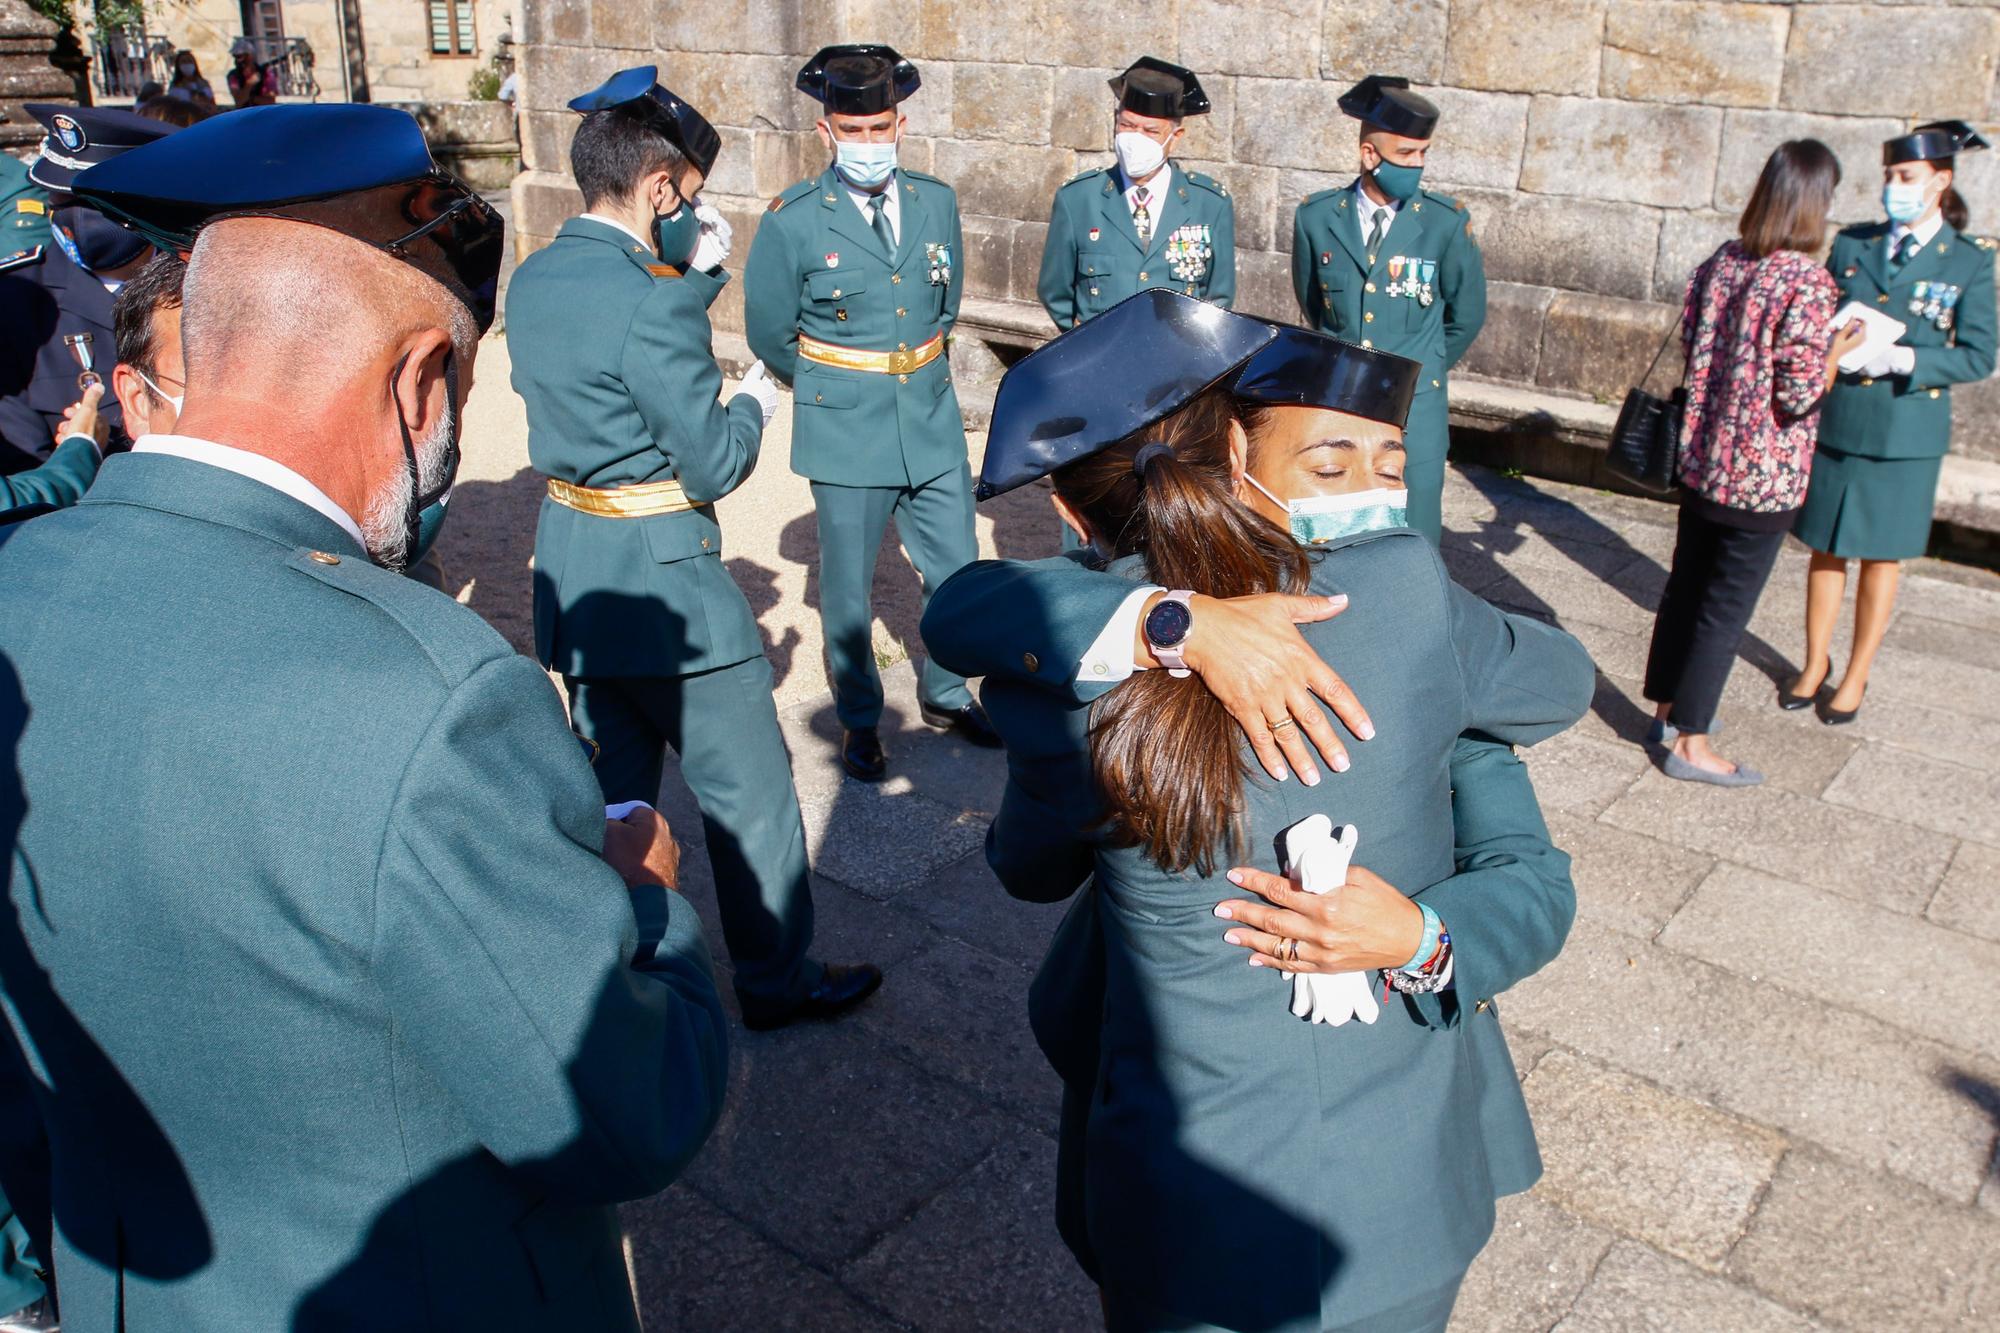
column 1604, row 146
column 28, row 73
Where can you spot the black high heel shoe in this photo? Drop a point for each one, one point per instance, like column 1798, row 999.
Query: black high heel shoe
column 1792, row 703
column 1840, row 717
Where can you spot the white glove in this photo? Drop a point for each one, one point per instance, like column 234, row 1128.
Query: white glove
column 711, row 248
column 1318, row 861
column 1895, row 360
column 757, row 384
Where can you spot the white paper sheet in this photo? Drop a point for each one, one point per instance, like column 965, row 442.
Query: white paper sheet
column 1882, row 333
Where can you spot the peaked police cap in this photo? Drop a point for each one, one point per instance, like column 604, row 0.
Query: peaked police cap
column 79, row 137
column 638, row 92
column 1090, row 387
column 859, row 78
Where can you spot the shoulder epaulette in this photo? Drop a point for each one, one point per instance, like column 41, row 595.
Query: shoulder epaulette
column 28, row 203
column 1328, row 193
column 1082, row 176
column 792, row 194
column 1446, row 200
column 1984, row 242
column 457, row 645
column 925, row 177
column 21, row 259
column 1209, row 183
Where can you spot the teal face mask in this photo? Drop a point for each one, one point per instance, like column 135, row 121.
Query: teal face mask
column 674, row 235
column 1323, row 518
column 1397, row 181
column 430, row 522
column 865, row 165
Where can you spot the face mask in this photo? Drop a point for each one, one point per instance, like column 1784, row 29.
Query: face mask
column 176, row 399
column 1904, row 201
column 1325, row 518
column 422, row 497
column 866, row 166
column 1396, row 181
column 429, row 523
column 674, row 235
column 1139, row 155
column 94, row 241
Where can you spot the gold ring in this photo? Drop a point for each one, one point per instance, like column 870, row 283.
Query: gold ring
column 1277, row 727
column 1293, row 957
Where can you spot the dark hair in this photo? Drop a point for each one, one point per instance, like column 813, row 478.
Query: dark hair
column 180, row 112
column 1951, row 203
column 1787, row 210
column 158, row 287
column 1167, row 757
column 150, row 89
column 613, row 150
column 187, row 55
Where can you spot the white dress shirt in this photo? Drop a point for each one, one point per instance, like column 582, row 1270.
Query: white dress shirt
column 1110, row 658
column 1366, row 208
column 1925, row 232
column 1156, row 189
column 644, row 244
column 257, row 468
column 892, row 206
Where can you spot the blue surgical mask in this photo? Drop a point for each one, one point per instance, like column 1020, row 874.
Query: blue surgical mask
column 866, row 166
column 1904, row 201
column 1397, row 181
column 1323, row 518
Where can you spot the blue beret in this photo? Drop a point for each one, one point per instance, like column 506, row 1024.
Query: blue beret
column 79, row 137
column 1140, row 361
column 1305, row 369
column 364, row 171
column 638, row 90
column 858, row 78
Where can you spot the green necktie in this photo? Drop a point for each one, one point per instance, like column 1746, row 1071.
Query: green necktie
column 1383, row 217
column 879, row 220
column 1904, row 249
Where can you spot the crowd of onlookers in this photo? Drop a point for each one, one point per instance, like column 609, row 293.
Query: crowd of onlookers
column 188, row 97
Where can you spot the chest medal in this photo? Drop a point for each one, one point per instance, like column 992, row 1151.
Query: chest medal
column 1189, row 250
column 1095, row 232
column 1934, row 301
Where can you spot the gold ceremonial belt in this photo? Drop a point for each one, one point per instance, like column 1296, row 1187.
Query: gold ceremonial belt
column 653, row 497
column 882, row 363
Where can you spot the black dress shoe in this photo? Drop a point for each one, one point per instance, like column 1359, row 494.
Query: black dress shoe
column 969, row 722
column 1840, row 717
column 841, row 987
column 1792, row 702
column 861, row 754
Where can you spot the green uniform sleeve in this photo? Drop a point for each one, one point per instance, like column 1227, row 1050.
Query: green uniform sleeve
column 1970, row 356
column 669, row 368
column 59, row 482
column 1510, row 904
column 1523, row 681
column 706, row 285
column 1037, row 843
column 1462, row 284
column 576, row 1024
column 1222, row 269
column 954, row 291
column 1057, row 285
column 1304, row 285
column 993, row 616
column 771, row 299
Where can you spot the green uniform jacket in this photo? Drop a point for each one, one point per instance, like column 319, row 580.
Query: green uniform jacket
column 817, row 268
column 612, row 355
column 1092, row 258
column 59, row 482
column 1196, row 1112
column 1382, row 305
column 24, row 208
column 342, row 1022
column 1945, row 296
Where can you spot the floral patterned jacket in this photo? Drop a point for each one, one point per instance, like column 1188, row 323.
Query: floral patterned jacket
column 1756, row 334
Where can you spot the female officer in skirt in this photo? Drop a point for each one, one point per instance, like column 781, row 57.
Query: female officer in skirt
column 1884, row 430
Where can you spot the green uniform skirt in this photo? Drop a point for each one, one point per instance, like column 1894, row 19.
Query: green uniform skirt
column 1869, row 508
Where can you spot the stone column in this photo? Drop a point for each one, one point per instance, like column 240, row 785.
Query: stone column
column 28, row 73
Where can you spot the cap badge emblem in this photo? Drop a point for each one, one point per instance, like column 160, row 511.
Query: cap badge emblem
column 67, row 133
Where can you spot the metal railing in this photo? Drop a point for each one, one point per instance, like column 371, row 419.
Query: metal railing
column 126, row 59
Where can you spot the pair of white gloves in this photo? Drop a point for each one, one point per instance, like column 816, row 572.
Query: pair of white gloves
column 1894, row 360
column 1317, row 856
column 711, row 250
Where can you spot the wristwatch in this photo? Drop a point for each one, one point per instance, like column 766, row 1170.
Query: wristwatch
column 1168, row 625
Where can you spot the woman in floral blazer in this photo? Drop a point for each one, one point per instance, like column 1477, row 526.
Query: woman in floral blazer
column 1761, row 350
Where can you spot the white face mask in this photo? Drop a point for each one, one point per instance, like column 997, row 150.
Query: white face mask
column 1324, row 518
column 1139, row 155
column 176, row 399
column 866, row 166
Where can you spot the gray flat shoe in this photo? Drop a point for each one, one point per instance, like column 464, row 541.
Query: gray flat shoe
column 1682, row 771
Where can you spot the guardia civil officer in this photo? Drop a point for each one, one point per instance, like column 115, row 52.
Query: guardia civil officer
column 55, row 299
column 24, row 209
column 1143, row 221
column 1884, row 431
column 361, row 1014
column 1391, row 265
column 852, row 287
column 608, row 329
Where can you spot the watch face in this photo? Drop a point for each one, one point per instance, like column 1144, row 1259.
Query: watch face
column 1168, row 623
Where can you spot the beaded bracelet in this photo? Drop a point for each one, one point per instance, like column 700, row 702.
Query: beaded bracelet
column 1435, row 975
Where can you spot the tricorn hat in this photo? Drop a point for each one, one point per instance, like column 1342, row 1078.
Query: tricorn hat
column 1929, row 143
column 858, row 78
column 1084, row 391
column 1301, row 368
column 1156, row 88
column 1387, row 103
column 638, row 91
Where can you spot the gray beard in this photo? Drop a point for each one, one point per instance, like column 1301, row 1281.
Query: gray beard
column 385, row 529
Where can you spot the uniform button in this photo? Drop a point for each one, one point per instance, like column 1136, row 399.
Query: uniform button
column 1865, row 383
column 704, row 543
column 1368, row 318
column 902, row 347
column 836, row 293
column 1436, row 385
column 896, row 278
column 1482, row 1006
column 324, row 557
column 1098, row 668
column 1144, row 276
column 1883, row 299
column 902, row 379
column 1030, row 661
column 1093, row 291
column 817, row 398
column 1934, row 393
column 1367, row 286
column 1366, row 343
column 900, row 312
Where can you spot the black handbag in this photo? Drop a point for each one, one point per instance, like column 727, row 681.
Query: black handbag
column 1645, row 445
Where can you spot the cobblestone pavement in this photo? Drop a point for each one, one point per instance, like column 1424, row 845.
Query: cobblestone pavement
column 1765, row 1071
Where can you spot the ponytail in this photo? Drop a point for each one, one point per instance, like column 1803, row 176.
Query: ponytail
column 1166, row 754
column 1952, row 205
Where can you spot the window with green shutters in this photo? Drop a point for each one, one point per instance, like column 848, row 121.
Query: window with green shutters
column 451, row 28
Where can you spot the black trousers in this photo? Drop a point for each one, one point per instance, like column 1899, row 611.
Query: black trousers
column 1717, row 576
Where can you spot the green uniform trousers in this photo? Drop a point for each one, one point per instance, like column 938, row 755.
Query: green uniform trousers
column 1426, row 440
column 724, row 727
column 934, row 521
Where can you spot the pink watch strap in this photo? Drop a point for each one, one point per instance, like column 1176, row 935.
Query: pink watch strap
column 1171, row 657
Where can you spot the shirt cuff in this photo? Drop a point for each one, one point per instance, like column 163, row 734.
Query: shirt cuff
column 1109, row 659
